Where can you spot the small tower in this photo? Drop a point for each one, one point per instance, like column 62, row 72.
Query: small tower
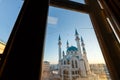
column 67, row 44
column 85, row 57
column 78, row 43
column 59, row 53
column 83, row 45
column 59, row 47
column 63, row 54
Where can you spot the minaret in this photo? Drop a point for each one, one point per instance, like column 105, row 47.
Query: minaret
column 83, row 45
column 78, row 43
column 63, row 54
column 85, row 57
column 59, row 53
column 67, row 44
column 59, row 47
column 82, row 62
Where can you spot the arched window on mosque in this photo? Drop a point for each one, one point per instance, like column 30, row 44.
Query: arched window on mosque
column 79, row 71
column 65, row 72
column 76, row 72
column 76, row 65
column 64, row 62
column 68, row 61
column 73, row 72
column 72, row 64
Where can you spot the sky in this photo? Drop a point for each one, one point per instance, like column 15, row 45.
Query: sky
column 64, row 22
column 79, row 1
column 60, row 22
column 9, row 10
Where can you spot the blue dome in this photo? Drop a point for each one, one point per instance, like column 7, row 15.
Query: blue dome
column 72, row 48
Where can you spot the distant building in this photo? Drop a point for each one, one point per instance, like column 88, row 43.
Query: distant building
column 100, row 70
column 45, row 70
column 74, row 64
column 54, row 66
column 2, row 46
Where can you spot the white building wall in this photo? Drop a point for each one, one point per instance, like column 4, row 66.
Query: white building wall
column 87, row 64
column 82, row 68
column 45, row 70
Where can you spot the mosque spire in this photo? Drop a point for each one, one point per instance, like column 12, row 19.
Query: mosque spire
column 63, row 54
column 76, row 33
column 83, row 45
column 59, row 47
column 85, row 57
column 59, row 41
column 78, row 43
column 82, row 39
column 59, row 38
column 67, row 44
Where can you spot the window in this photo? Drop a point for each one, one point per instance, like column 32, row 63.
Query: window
column 76, row 64
column 72, row 31
column 9, row 11
column 64, row 62
column 72, row 64
column 30, row 25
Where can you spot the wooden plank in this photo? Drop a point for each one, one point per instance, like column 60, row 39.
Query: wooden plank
column 70, row 5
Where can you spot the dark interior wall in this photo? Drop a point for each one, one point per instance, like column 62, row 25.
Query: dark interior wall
column 23, row 53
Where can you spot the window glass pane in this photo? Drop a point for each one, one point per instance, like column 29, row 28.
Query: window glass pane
column 9, row 10
column 71, row 48
column 79, row 1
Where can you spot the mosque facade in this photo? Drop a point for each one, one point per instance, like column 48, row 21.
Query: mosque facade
column 73, row 63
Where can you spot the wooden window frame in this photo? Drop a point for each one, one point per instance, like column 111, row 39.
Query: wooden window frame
column 23, row 54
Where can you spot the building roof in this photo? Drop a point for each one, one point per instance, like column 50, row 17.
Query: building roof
column 3, row 43
column 72, row 48
column 46, row 62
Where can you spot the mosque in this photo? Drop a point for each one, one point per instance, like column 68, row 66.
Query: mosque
column 73, row 65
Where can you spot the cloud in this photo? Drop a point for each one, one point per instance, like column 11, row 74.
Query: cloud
column 52, row 20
